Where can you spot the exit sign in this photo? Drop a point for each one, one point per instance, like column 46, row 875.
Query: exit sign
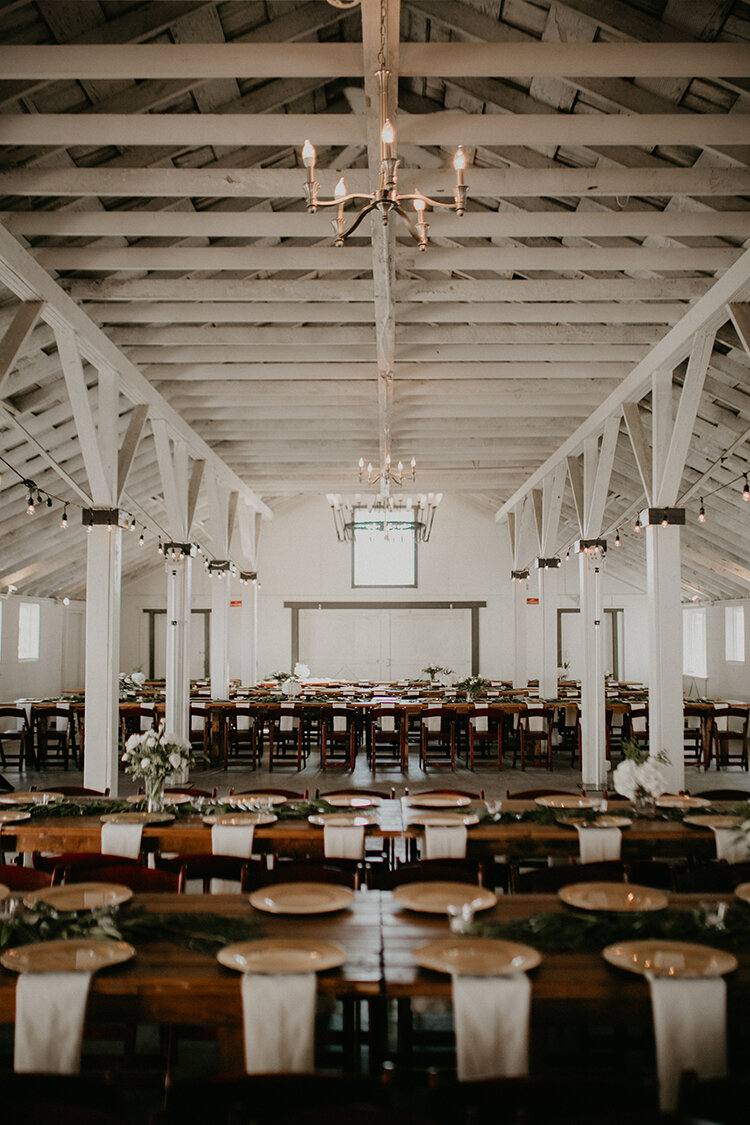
column 532, row 601
column 236, row 603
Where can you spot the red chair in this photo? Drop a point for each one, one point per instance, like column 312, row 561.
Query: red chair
column 145, row 880
column 24, row 878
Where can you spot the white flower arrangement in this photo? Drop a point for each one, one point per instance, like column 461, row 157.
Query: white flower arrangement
column 639, row 774
column 301, row 671
column 131, row 683
column 155, row 754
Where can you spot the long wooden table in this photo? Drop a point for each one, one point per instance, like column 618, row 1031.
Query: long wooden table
column 166, row 983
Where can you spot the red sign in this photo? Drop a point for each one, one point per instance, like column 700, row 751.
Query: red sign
column 236, row 603
column 532, row 601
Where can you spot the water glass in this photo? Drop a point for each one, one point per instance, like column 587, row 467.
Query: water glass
column 461, row 916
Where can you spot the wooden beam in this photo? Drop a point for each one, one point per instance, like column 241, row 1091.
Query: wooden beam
column 695, row 487
column 596, row 502
column 575, row 475
column 632, row 415
column 15, row 337
column 537, row 508
column 665, row 491
column 129, row 446
column 70, row 359
column 196, row 478
column 42, row 452
column 717, row 564
column 740, row 314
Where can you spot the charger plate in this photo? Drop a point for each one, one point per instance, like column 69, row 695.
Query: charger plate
column 80, row 896
column 169, row 798
column 444, row 820
column 563, row 802
column 602, row 822
column 477, row 957
column 341, row 820
column 4, row 891
column 137, row 818
column 350, row 800
column 670, row 959
column 75, row 955
column 282, row 955
column 679, row 802
column 269, row 799
column 438, row 801
column 624, row 898
column 240, row 818
column 302, row 898
column 435, row 897
column 713, row 820
column 36, row 797
column 743, row 892
column 9, row 816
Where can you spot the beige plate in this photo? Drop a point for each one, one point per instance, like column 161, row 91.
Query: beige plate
column 341, row 820
column 8, row 816
column 137, row 818
column 621, row 897
column 743, row 892
column 4, row 891
column 435, row 898
column 670, row 958
column 565, row 802
column 707, row 820
column 444, row 820
column 477, row 957
column 438, row 801
column 240, row 818
column 80, row 896
column 350, row 801
column 35, row 798
column 77, row 955
column 282, row 955
column 602, row 822
column 682, row 802
column 302, row 898
column 269, row 799
column 169, row 798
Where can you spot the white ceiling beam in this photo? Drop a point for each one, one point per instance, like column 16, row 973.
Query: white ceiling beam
column 251, row 258
column 552, row 498
column 129, row 446
column 42, row 451
column 212, row 372
column 666, row 488
column 695, row 487
column 740, row 315
column 268, row 183
column 172, row 468
column 707, row 314
column 196, row 478
column 716, row 564
column 70, row 360
column 298, row 224
column 15, row 337
column 603, row 460
column 325, row 60
column 450, row 128
column 24, row 277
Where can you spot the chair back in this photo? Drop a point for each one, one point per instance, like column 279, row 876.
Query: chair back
column 732, row 719
column 536, row 720
column 639, row 720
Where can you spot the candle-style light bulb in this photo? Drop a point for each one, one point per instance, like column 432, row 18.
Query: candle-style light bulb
column 387, row 133
column 308, row 155
column 459, row 160
column 340, row 190
column 419, row 204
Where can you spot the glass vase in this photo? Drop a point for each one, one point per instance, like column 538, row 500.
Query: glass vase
column 154, row 789
column 644, row 803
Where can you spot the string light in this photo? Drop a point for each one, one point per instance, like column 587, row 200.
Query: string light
column 30, row 504
column 702, row 513
column 638, row 524
column 617, row 538
column 141, row 541
column 746, row 490
column 64, row 520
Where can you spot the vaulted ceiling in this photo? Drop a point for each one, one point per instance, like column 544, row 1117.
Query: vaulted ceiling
column 150, row 165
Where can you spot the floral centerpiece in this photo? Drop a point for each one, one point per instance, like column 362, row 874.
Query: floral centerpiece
column 291, row 682
column 131, row 683
column 473, row 686
column 639, row 776
column 152, row 757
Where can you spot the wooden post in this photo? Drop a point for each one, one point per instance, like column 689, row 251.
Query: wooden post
column 665, row 650
column 179, row 584
column 103, row 576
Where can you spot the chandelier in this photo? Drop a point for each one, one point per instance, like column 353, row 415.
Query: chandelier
column 351, row 513
column 386, row 474
column 386, row 199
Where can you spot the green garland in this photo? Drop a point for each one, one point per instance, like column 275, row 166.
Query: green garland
column 590, row 932
column 290, row 810
column 205, row 933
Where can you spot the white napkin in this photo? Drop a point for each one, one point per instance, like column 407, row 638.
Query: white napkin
column 121, row 839
column 434, row 722
column 50, row 1010
column 386, row 723
column 491, row 1018
column 571, row 716
column 445, row 843
column 26, row 707
column 690, row 1028
column 147, row 721
column 61, row 722
column 537, row 723
column 732, row 846
column 231, row 839
column 344, row 841
column 479, row 722
column 278, row 1012
column 596, row 844
column 339, row 724
column 286, row 720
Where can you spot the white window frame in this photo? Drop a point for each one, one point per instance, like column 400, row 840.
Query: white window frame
column 398, row 518
column 734, row 634
column 694, row 645
column 29, row 646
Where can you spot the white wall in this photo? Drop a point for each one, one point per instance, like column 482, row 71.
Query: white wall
column 726, row 680
column 60, row 664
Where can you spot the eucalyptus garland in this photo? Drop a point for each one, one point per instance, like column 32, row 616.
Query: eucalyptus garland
column 92, row 806
column 591, row 931
column 205, row 933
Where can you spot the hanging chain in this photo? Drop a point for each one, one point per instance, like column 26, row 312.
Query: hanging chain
column 383, row 32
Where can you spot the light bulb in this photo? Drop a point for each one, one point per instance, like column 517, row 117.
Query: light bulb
column 340, row 190
column 64, row 520
column 746, row 489
column 387, row 133
column 702, row 513
column 419, row 204
column 141, row 541
column 30, row 504
column 617, row 539
column 308, row 155
column 638, row 524
column 459, row 160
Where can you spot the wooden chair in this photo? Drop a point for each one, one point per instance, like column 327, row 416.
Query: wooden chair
column 712, row 877
column 546, row 880
column 535, row 736
column 19, row 732
column 285, row 737
column 290, row 794
column 472, row 794
column 346, row 873
column 349, row 791
column 54, row 731
column 437, row 738
column 24, row 878
column 638, row 725
column 428, row 870
column 485, row 735
column 338, row 738
column 136, row 720
column 145, row 880
column 241, row 731
column 86, row 865
column 199, row 730
column 730, row 739
column 615, row 717
column 205, row 866
column 78, row 791
column 725, row 794
column 532, row 794
column 693, row 730
column 569, row 730
column 388, row 732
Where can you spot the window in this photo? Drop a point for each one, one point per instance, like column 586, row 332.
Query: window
column 28, row 631
column 694, row 660
column 384, row 548
column 734, row 633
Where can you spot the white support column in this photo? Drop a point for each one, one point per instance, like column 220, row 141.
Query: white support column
column 548, row 639
column 520, row 674
column 220, row 595
column 103, row 574
column 593, row 746
column 179, row 584
column 665, row 650
column 249, row 634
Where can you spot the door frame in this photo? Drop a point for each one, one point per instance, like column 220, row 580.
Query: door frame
column 152, row 640
column 615, row 622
